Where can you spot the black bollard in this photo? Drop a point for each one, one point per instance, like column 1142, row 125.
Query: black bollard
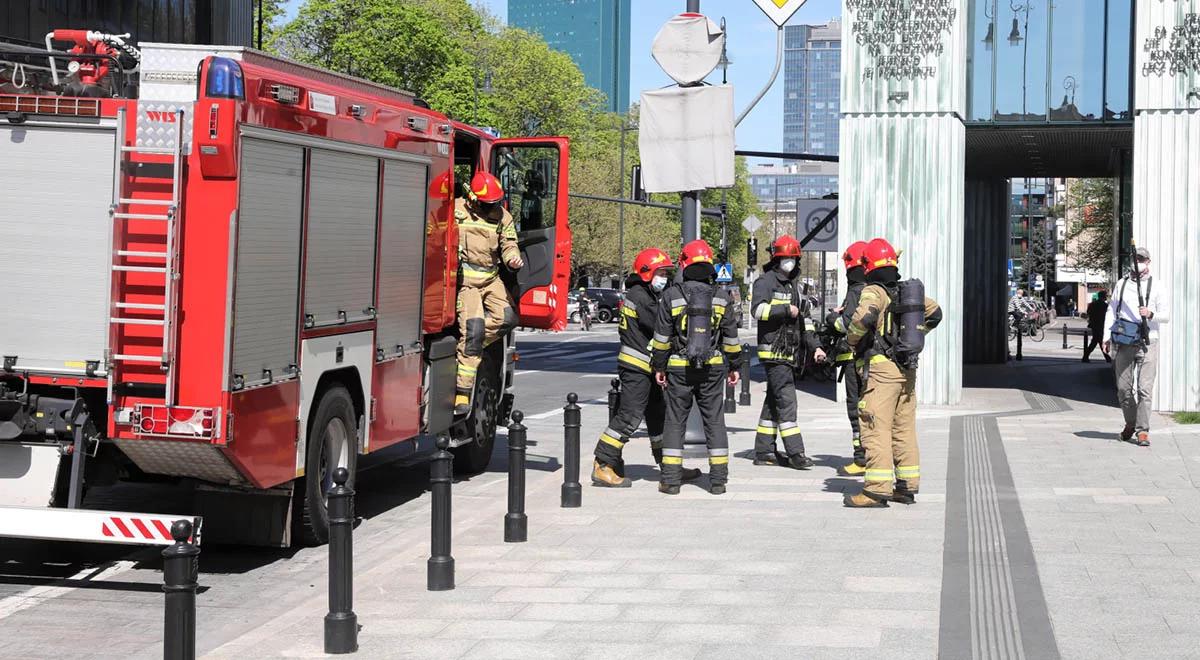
column 440, row 567
column 516, row 523
column 572, row 493
column 180, row 572
column 614, row 398
column 730, row 401
column 1020, row 338
column 744, row 399
column 1064, row 336
column 341, row 624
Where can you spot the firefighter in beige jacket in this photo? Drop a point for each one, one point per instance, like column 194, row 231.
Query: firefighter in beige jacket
column 487, row 239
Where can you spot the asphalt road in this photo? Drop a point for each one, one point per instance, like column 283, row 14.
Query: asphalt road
column 64, row 580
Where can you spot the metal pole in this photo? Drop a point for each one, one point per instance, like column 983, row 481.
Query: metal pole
column 341, row 624
column 689, row 217
column 572, row 493
column 621, row 207
column 770, row 82
column 440, row 567
column 516, row 523
column 775, row 213
column 614, row 398
column 744, row 398
column 180, row 570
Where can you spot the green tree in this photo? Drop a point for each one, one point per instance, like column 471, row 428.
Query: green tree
column 1089, row 210
column 1040, row 257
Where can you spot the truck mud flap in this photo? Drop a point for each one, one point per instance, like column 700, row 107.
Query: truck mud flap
column 443, row 364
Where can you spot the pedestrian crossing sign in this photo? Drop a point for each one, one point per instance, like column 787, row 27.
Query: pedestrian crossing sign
column 725, row 273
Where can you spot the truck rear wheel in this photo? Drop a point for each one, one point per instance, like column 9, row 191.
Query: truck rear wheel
column 473, row 457
column 332, row 439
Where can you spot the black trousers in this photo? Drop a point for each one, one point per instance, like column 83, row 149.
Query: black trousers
column 853, row 394
column 641, row 397
column 779, row 412
column 1096, row 337
column 707, row 388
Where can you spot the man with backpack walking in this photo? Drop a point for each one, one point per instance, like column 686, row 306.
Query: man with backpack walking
column 1132, row 323
column 695, row 350
column 887, row 333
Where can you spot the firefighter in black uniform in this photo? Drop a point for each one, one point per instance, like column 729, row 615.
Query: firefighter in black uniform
column 695, row 349
column 784, row 329
column 640, row 395
column 838, row 321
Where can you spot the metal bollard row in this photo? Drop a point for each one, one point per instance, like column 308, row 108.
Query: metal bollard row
column 341, row 624
column 614, row 398
column 440, row 567
column 516, row 523
column 744, row 399
column 572, row 492
column 181, row 569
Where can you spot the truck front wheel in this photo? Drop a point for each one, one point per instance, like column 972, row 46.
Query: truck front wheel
column 332, row 439
column 473, row 457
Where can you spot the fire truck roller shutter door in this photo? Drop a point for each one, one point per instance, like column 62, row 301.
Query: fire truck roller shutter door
column 401, row 255
column 268, row 261
column 339, row 283
column 53, row 224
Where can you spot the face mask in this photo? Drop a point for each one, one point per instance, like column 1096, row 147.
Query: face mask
column 658, row 283
column 488, row 207
column 787, row 265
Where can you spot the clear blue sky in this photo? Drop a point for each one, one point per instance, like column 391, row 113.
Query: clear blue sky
column 751, row 49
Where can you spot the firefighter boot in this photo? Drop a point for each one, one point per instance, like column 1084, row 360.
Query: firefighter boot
column 717, row 489
column 462, row 404
column 858, row 466
column 775, row 459
column 688, row 474
column 667, row 489
column 901, row 493
column 799, row 462
column 605, row 476
column 863, row 500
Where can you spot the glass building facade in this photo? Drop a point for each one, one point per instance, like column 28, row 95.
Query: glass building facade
column 1054, row 61
column 812, row 69
column 595, row 33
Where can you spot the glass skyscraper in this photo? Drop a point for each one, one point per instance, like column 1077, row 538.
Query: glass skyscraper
column 811, row 100
column 595, row 33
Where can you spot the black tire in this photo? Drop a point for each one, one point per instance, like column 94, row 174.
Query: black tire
column 574, row 318
column 604, row 315
column 332, row 432
column 474, row 456
column 1039, row 333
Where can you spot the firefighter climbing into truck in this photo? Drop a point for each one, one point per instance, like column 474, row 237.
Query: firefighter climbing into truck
column 263, row 281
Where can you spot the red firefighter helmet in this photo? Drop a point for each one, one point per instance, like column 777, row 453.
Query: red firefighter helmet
column 853, row 256
column 648, row 262
column 439, row 188
column 785, row 246
column 878, row 254
column 696, row 252
column 486, row 188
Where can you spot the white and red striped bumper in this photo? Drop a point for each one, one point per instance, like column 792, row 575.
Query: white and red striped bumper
column 92, row 526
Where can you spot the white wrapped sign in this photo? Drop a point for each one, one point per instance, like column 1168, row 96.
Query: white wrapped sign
column 686, row 138
column 688, row 47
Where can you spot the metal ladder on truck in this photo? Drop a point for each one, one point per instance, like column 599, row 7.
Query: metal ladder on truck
column 124, row 312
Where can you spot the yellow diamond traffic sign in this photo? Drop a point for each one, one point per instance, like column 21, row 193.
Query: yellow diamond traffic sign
column 779, row 11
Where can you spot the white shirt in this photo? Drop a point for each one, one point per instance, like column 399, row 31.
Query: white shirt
column 1126, row 306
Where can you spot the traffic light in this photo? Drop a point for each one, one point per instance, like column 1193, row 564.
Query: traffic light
column 639, row 193
column 751, row 251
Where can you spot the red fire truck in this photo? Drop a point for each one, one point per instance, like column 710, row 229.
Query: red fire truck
column 231, row 268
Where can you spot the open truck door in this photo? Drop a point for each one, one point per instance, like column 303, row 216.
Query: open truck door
column 533, row 172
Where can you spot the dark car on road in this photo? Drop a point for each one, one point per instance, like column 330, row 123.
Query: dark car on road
column 606, row 303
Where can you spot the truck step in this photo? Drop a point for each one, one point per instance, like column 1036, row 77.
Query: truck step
column 141, row 216
column 140, row 269
column 148, row 306
column 129, row 321
column 147, row 202
column 137, row 253
column 156, row 359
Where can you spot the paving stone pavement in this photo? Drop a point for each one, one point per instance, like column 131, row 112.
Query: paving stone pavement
column 776, row 568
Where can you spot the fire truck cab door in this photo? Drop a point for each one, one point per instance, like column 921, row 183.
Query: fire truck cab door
column 533, row 173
